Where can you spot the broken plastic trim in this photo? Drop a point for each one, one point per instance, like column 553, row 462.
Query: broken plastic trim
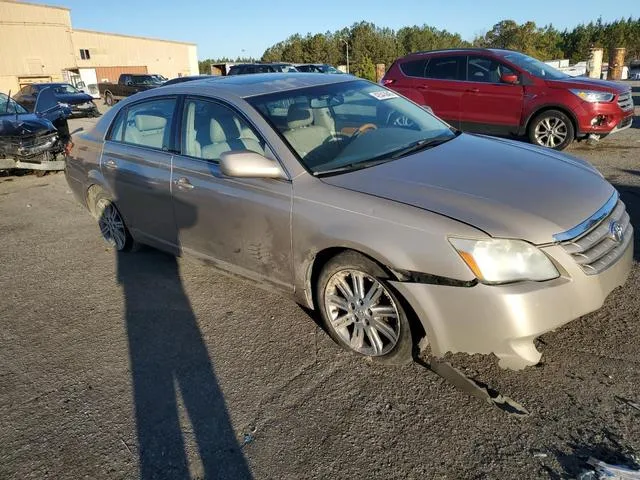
column 419, row 277
column 474, row 388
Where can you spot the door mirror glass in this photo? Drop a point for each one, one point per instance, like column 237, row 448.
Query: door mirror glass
column 248, row 164
column 510, row 78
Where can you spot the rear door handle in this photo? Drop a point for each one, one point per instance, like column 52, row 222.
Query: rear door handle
column 423, row 87
column 183, row 183
column 111, row 164
column 473, row 90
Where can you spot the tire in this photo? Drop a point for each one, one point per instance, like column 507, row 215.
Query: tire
column 348, row 310
column 108, row 99
column 551, row 129
column 113, row 228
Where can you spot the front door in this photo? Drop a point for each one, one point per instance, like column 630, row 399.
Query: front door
column 241, row 224
column 490, row 105
column 136, row 163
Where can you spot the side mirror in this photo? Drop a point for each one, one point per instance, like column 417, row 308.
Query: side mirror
column 428, row 109
column 248, row 164
column 510, row 78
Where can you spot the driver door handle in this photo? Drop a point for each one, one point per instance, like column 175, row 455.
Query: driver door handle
column 183, row 183
column 110, row 164
column 473, row 90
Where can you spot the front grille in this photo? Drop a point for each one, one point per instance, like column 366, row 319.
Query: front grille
column 596, row 250
column 625, row 101
column 625, row 123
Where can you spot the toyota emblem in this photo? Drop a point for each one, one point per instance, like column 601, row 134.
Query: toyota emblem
column 616, row 232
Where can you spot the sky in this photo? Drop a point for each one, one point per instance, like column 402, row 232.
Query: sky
column 227, row 28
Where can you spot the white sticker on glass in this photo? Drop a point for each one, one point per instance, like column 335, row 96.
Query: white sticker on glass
column 383, row 94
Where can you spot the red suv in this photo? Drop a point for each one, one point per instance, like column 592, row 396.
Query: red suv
column 503, row 92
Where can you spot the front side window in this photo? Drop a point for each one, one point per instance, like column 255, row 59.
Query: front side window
column 210, row 129
column 147, row 124
column 447, row 68
column 486, row 70
column 349, row 125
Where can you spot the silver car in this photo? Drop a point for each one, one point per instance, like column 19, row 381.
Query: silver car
column 363, row 206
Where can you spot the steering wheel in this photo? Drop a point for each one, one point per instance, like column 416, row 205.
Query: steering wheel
column 364, row 129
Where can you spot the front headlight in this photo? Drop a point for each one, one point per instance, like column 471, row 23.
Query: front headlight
column 503, row 261
column 593, row 96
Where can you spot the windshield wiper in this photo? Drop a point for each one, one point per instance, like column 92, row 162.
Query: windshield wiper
column 387, row 157
column 354, row 166
column 421, row 145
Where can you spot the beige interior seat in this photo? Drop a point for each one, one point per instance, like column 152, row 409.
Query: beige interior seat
column 147, row 130
column 302, row 134
column 226, row 136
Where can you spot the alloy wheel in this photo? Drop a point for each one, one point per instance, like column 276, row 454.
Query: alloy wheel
column 111, row 224
column 551, row 132
column 362, row 312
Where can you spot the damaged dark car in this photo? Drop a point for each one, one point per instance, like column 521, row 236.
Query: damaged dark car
column 36, row 141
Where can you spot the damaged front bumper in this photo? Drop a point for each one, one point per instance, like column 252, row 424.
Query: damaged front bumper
column 42, row 152
column 506, row 319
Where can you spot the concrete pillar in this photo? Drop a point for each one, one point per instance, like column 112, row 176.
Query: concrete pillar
column 594, row 65
column 380, row 70
column 616, row 62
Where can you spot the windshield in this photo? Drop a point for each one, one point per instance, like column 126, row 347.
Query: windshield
column 349, row 125
column 62, row 89
column 8, row 106
column 535, row 67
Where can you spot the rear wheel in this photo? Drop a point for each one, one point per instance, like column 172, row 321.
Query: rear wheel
column 108, row 99
column 113, row 229
column 551, row 129
column 361, row 312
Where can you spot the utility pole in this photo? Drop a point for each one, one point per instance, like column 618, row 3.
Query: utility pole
column 347, row 44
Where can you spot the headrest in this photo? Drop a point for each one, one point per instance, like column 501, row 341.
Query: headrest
column 150, row 122
column 222, row 129
column 299, row 116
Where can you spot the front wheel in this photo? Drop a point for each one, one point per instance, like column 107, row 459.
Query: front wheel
column 108, row 99
column 551, row 129
column 361, row 312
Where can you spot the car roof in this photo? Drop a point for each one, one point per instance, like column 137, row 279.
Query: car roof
column 49, row 84
column 499, row 51
column 244, row 86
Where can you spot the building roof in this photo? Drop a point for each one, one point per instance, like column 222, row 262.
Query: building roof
column 32, row 4
column 131, row 36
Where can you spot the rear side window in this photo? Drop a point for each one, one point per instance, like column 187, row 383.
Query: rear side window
column 414, row 68
column 447, row 68
column 147, row 124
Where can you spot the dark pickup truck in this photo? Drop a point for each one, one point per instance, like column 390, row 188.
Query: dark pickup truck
column 128, row 84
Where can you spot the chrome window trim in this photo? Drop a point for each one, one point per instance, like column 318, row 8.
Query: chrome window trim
column 590, row 222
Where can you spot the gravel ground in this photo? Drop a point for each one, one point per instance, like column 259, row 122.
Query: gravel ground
column 142, row 365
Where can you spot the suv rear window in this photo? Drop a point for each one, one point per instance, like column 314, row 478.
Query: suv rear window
column 414, row 68
column 447, row 68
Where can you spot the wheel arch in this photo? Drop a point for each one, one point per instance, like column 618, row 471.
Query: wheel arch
column 546, row 108
column 322, row 257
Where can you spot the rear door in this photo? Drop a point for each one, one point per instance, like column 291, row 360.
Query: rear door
column 410, row 80
column 490, row 105
column 445, row 81
column 136, row 163
column 241, row 224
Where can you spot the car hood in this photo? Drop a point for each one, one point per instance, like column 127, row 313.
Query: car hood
column 74, row 98
column 24, row 124
column 589, row 83
column 505, row 188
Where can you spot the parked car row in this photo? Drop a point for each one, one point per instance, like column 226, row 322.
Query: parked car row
column 81, row 104
column 503, row 92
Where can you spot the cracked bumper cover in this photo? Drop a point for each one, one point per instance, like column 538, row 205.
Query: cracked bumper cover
column 505, row 319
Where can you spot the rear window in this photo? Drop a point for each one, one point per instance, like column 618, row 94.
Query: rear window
column 414, row 68
column 447, row 68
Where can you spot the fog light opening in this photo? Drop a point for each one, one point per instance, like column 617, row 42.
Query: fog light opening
column 598, row 120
